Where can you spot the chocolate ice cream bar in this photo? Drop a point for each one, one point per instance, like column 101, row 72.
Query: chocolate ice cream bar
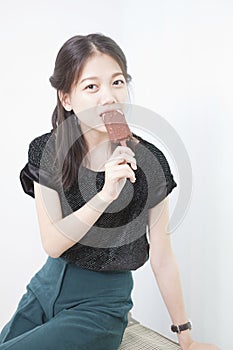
column 116, row 126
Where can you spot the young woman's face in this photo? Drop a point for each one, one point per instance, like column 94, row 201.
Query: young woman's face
column 100, row 87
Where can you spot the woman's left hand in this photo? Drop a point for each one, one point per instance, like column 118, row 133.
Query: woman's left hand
column 201, row 346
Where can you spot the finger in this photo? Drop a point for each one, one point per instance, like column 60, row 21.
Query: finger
column 124, row 170
column 133, row 165
column 129, row 159
column 123, row 158
column 123, row 149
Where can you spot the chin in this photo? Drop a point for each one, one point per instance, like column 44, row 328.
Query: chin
column 102, row 129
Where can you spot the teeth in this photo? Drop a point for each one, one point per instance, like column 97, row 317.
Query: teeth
column 118, row 110
column 114, row 110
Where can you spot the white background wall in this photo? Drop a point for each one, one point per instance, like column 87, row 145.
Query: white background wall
column 180, row 55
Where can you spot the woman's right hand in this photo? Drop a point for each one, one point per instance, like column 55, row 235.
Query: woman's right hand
column 117, row 171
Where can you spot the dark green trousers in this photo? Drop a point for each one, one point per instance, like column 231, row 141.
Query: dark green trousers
column 70, row 308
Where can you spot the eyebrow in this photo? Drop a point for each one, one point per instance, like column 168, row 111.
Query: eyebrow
column 92, row 78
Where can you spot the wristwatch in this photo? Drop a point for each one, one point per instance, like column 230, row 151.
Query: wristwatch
column 182, row 327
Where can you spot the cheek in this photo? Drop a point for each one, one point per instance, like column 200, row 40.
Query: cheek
column 82, row 103
column 88, row 114
column 124, row 96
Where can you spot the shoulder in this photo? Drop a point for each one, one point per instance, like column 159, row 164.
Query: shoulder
column 40, row 165
column 154, row 162
column 39, row 142
column 150, row 151
column 41, row 147
column 158, row 173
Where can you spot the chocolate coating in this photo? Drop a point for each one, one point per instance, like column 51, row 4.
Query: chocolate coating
column 116, row 125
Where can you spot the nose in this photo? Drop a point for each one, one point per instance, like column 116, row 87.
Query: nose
column 107, row 96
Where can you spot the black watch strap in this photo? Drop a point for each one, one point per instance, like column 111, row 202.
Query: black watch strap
column 182, row 327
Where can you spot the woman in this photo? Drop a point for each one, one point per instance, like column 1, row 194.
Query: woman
column 94, row 200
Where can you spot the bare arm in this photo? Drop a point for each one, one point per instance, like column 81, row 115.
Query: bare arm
column 166, row 272
column 58, row 233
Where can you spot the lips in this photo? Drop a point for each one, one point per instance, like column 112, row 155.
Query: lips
column 102, row 114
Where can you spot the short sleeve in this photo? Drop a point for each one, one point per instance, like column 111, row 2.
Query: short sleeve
column 160, row 180
column 40, row 165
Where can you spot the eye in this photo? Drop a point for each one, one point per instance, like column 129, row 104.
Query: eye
column 119, row 82
column 90, row 87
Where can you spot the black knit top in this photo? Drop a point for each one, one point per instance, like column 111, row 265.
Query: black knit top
column 118, row 239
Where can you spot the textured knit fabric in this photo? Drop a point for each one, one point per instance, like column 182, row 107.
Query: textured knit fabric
column 117, row 241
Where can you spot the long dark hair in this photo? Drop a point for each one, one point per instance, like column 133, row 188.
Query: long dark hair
column 70, row 145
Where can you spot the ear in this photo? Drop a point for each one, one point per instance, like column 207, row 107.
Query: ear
column 65, row 100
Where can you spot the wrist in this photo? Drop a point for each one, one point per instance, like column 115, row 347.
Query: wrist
column 183, row 333
column 104, row 197
column 185, row 339
column 178, row 328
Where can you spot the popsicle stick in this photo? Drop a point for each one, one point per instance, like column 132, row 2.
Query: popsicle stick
column 123, row 143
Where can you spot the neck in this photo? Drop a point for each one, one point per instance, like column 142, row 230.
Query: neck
column 99, row 147
column 94, row 137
